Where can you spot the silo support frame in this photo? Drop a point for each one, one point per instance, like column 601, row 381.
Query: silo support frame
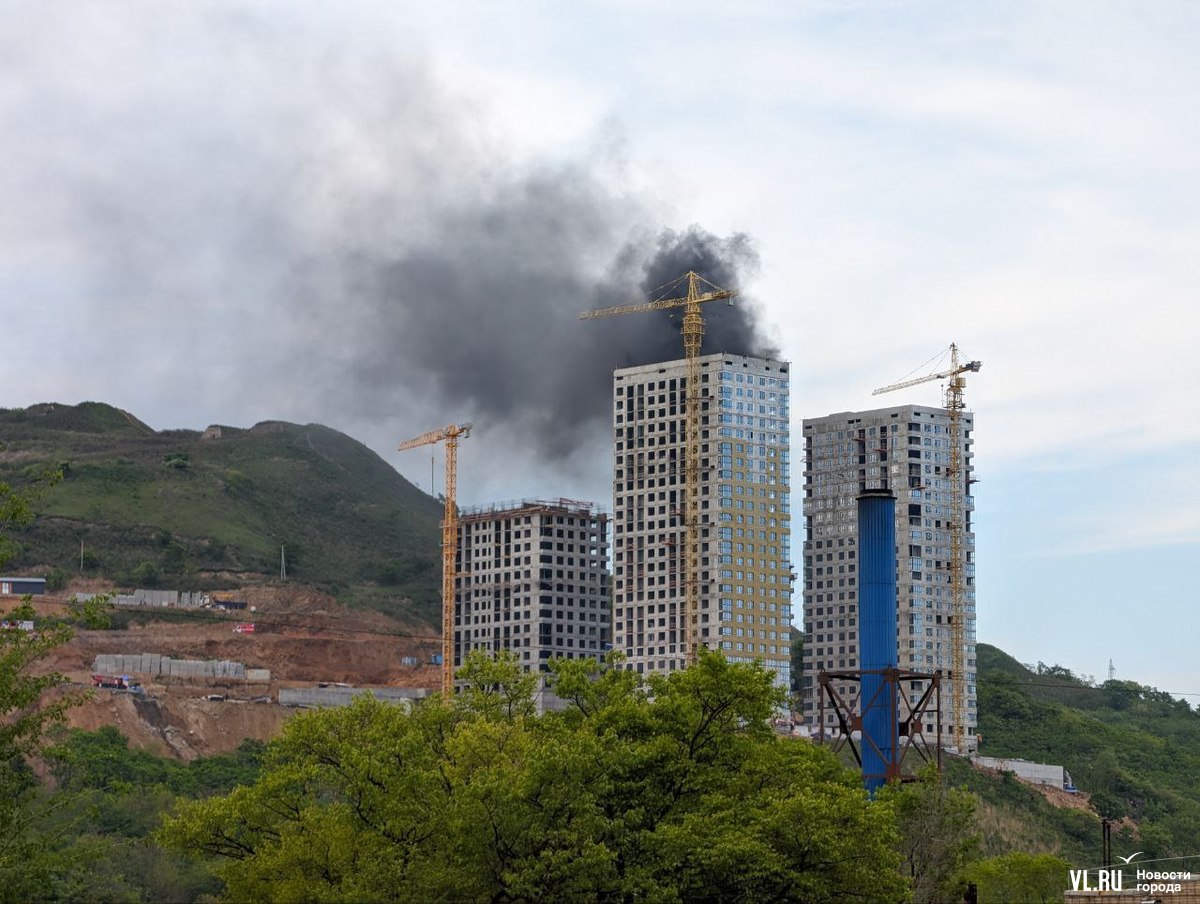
column 909, row 719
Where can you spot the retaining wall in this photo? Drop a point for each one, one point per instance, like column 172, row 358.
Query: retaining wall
column 164, row 666
column 1037, row 773
column 340, row 696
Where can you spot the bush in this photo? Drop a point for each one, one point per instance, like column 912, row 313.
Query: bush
column 56, row 580
column 146, row 575
column 1022, row 877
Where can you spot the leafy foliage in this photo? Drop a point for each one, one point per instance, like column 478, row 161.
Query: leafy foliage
column 1012, row 816
column 937, row 838
column 1029, row 878
column 93, row 833
column 31, row 822
column 102, row 760
column 673, row 791
column 1135, row 749
column 32, row 701
column 24, row 715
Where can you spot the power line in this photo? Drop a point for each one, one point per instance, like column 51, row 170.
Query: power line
column 1099, row 687
column 1143, row 862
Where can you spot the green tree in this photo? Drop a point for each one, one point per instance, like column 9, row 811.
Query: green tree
column 24, row 715
column 672, row 790
column 108, row 800
column 15, row 511
column 32, row 700
column 1028, row 878
column 56, row 580
column 174, row 558
column 146, row 575
column 102, row 760
column 496, row 688
column 937, row 834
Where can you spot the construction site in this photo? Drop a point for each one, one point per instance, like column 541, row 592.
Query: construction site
column 701, row 544
column 693, row 551
column 186, row 683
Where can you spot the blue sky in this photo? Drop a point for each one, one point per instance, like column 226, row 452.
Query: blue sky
column 1020, row 178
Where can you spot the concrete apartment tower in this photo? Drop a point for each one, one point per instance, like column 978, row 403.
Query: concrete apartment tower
column 533, row 578
column 743, row 507
column 905, row 449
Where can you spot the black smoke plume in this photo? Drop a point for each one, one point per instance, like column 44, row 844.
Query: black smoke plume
column 277, row 210
column 487, row 317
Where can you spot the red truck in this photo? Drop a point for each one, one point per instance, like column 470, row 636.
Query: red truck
column 115, row 682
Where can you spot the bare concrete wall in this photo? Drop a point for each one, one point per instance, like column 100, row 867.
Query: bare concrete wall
column 340, row 696
column 157, row 665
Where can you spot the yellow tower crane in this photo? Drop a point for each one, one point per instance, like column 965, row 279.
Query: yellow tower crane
column 699, row 291
column 450, row 436
column 957, row 530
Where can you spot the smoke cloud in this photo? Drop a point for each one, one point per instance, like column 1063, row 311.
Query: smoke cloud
column 488, row 315
column 272, row 212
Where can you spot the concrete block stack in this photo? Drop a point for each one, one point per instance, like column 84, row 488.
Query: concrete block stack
column 156, row 664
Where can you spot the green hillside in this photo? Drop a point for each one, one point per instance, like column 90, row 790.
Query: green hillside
column 1134, row 749
column 182, row 509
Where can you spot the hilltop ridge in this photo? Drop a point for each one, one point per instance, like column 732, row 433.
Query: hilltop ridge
column 1132, row 749
column 211, row 508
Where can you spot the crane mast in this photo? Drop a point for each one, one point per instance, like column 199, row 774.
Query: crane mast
column 958, row 529
column 957, row 479
column 450, row 436
column 693, row 336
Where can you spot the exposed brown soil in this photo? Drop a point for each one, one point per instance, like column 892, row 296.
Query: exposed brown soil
column 1081, row 800
column 170, row 723
column 301, row 635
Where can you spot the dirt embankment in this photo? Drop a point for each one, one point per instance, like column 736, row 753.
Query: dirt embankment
column 170, row 723
column 302, row 636
column 1077, row 800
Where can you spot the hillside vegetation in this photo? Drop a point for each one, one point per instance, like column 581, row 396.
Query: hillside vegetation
column 1134, row 749
column 191, row 510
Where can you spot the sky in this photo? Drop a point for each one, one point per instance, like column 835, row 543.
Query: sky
column 384, row 217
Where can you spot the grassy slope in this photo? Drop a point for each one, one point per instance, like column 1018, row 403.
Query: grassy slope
column 1012, row 816
column 1132, row 748
column 192, row 509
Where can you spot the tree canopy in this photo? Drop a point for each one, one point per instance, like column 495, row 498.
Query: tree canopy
column 675, row 789
column 32, row 701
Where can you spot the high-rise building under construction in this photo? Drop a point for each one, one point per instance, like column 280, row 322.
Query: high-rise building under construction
column 532, row 577
column 905, row 449
column 742, row 509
